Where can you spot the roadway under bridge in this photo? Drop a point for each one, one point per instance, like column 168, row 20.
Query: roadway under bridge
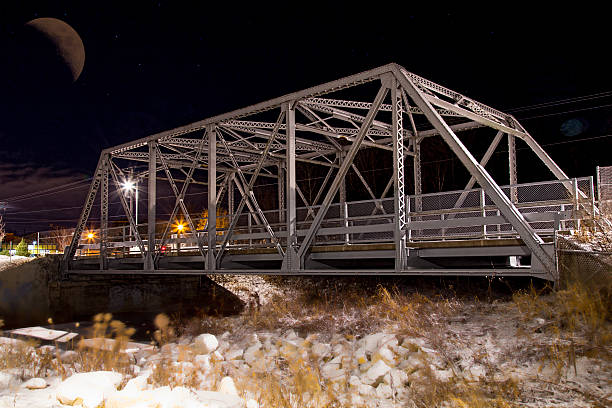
column 484, row 229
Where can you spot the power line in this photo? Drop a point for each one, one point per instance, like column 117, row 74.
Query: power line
column 570, row 111
column 49, row 191
column 561, row 102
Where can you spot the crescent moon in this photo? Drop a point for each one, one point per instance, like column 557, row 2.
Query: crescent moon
column 66, row 40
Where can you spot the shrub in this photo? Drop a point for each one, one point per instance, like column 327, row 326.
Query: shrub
column 5, row 252
column 22, row 249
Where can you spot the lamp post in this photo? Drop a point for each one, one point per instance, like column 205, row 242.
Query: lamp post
column 129, row 186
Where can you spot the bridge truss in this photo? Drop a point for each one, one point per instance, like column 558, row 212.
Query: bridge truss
column 326, row 126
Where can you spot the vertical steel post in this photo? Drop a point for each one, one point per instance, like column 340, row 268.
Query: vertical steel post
column 104, row 215
column 342, row 193
column 281, row 192
column 418, row 187
column 212, row 198
column 291, row 261
column 230, row 197
column 152, row 207
column 399, row 203
column 512, row 167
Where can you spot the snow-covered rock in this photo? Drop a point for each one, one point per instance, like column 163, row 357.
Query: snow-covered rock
column 395, row 377
column 131, row 398
column 383, row 353
column 69, row 356
column 321, row 350
column 365, row 389
column 227, row 386
column 206, row 343
column 202, row 361
column 384, row 391
column 375, row 372
column 35, row 384
column 477, row 371
column 360, row 355
column 89, row 389
column 332, row 371
column 252, row 404
column 139, row 383
column 253, row 353
column 370, row 342
column 234, row 354
column 7, row 380
column 165, row 397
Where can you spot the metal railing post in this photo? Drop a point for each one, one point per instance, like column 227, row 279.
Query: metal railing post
column 346, row 223
column 592, row 193
column 598, row 176
column 576, row 202
column 250, row 224
column 408, row 219
column 483, row 213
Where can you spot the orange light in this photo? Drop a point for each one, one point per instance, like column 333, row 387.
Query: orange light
column 90, row 235
column 179, row 227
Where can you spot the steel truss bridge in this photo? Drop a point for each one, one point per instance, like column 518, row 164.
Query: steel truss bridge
column 484, row 229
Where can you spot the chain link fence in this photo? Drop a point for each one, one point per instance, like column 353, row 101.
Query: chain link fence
column 592, row 267
column 604, row 189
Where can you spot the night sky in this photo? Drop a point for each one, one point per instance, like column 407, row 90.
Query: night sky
column 155, row 65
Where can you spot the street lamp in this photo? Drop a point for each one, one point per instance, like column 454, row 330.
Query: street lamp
column 128, row 186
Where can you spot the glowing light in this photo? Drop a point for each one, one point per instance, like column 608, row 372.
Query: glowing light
column 90, row 235
column 179, row 227
column 128, row 185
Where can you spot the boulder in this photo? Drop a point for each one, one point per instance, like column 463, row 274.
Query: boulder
column 88, row 389
column 7, row 380
column 395, row 378
column 227, row 386
column 69, row 357
column 383, row 353
column 332, row 372
column 139, row 383
column 320, row 350
column 206, row 343
column 384, row 391
column 35, row 384
column 253, row 353
column 370, row 342
column 375, row 373
column 202, row 361
column 252, row 404
column 365, row 389
column 360, row 355
column 354, row 381
column 234, row 354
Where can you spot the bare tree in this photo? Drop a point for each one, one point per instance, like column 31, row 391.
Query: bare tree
column 61, row 237
column 2, row 230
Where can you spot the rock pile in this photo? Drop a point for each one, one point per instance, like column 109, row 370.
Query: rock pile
column 211, row 371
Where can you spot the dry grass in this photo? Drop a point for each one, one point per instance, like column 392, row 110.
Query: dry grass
column 576, row 319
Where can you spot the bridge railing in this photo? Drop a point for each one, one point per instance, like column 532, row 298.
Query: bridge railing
column 451, row 215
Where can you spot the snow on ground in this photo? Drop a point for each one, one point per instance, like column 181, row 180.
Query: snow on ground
column 376, row 347
column 6, row 261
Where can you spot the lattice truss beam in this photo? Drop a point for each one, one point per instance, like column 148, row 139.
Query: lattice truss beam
column 326, row 126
